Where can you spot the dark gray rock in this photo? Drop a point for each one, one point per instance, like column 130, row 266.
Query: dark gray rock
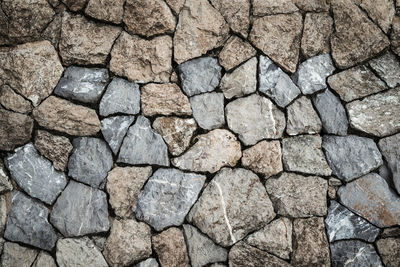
column 90, row 161
column 390, row 148
column 332, row 113
column 167, row 197
column 141, row 137
column 354, row 253
column 351, row 156
column 82, row 84
column 114, row 130
column 121, row 96
column 341, row 224
column 200, row 75
column 208, row 110
column 27, row 223
column 150, row 262
column 80, row 210
column 388, row 68
column 35, row 174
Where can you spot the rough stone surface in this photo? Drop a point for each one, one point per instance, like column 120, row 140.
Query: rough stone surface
column 235, row 52
column 295, row 195
column 53, row 30
column 16, row 129
column 272, row 7
column 387, row 67
column 27, row 223
column 13, row 101
column 75, row 5
column 44, row 259
column 80, row 210
column 389, row 249
column 16, row 255
column 390, row 148
column 354, row 253
column 141, row 137
column 381, row 12
column 211, row 152
column 317, row 31
column 61, row 115
column 275, row 83
column 108, row 10
column 5, row 184
column 278, row 36
column 176, row 5
column 395, row 35
column 254, row 118
column 114, row 130
column 5, row 204
column 142, row 60
column 150, row 262
column 312, row 5
column 208, row 110
column 232, row 205
column 302, row 118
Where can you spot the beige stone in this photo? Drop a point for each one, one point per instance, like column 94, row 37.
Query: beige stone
column 380, row 11
column 13, row 101
column 395, row 35
column 317, row 30
column 16, row 255
column 313, row 5
column 44, row 259
column 272, row 7
column 5, row 205
column 52, row 32
column 389, row 249
column 176, row 5
column 108, row 10
column 75, row 5
column 16, row 129
column 302, row 118
column 235, row 52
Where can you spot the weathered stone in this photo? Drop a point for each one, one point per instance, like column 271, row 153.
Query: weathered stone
column 354, row 253
column 208, row 110
column 80, row 210
column 390, row 232
column 211, row 152
column 356, row 38
column 176, row 132
column 75, row 5
column 79, row 252
column 387, row 67
column 235, row 52
column 386, row 174
column 200, row 28
column 167, row 197
column 61, row 115
column 52, row 32
column 295, row 195
column 242, row 81
column 108, row 10
column 310, row 246
column 90, row 161
column 275, row 238
column 5, row 184
column 5, row 204
column 318, row 28
column 302, row 118
column 150, row 262
column 376, row 114
column 176, row 5
column 278, row 36
column 142, row 60
column 395, row 35
column 121, row 96
column 114, row 130
column 13, row 101
column 275, row 83
column 16, row 255
column 16, row 129
column 44, row 259
column 264, row 158
column 123, row 186
column 99, row 241
column 232, row 205
column 27, row 223
column 170, row 248
column 390, row 148
column 141, row 137
column 129, row 242
column 331, row 112
column 381, row 12
column 19, row 69
column 312, row 5
column 255, row 118
column 202, row 250
column 389, row 249
column 272, row 7
column 355, row 83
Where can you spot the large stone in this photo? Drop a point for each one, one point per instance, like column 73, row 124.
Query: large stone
column 208, row 110
column 142, row 60
column 318, row 28
column 235, row 52
column 35, row 174
column 200, row 28
column 390, row 148
column 167, row 197
column 302, row 118
column 13, row 101
column 389, row 249
column 387, row 67
column 27, row 223
column 395, row 35
column 80, row 210
column 19, row 69
column 381, row 12
column 5, row 184
column 255, row 118
column 108, row 10
column 211, row 152
column 295, row 195
column 16, row 129
column 278, row 36
column 90, row 161
column 275, row 83
column 16, row 255
column 312, row 5
column 232, row 205
column 114, row 130
column 141, row 137
column 354, row 253
column 61, row 115
column 272, row 7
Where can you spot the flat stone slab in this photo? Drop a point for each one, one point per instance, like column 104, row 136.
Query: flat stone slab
column 114, row 130
column 354, row 253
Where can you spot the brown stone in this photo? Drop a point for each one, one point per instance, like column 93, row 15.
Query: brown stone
column 85, row 42
column 235, row 52
column 164, row 99
column 380, row 11
column 52, row 32
column 15, row 130
column 108, row 10
column 61, row 115
column 176, row 5
column 142, row 60
column 313, row 5
column 13, row 101
column 389, row 249
column 278, row 36
column 272, row 7
column 316, row 33
column 395, row 35
column 75, row 5
column 171, row 248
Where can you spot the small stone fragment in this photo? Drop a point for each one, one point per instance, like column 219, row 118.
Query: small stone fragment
column 150, row 262
column 331, row 192
column 5, row 184
column 381, row 12
column 52, row 32
column 395, row 34
column 318, row 28
column 302, row 118
column 390, row 148
column 108, row 10
column 312, row 5
column 296, row 196
column 44, row 259
column 389, row 249
column 354, row 253
column 13, row 101
column 272, row 7
column 176, row 5
column 75, row 5
column 387, row 67
column 5, row 204
column 16, row 129
column 208, row 110
column 114, row 130
column 235, row 52
column 16, row 255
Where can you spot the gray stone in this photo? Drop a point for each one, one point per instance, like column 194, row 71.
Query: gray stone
column 354, row 253
column 15, row 255
column 387, row 67
column 312, row 73
column 80, row 210
column 275, row 83
column 302, row 118
column 90, row 161
column 44, row 259
column 200, row 75
column 208, row 110
column 121, row 96
column 27, row 223
column 82, row 84
column 5, row 184
column 351, row 156
column 150, row 262
column 341, row 224
column 5, row 203
column 141, row 137
column 114, row 130
column 255, row 118
column 167, row 197
column 390, row 148
column 35, row 174
column 332, row 113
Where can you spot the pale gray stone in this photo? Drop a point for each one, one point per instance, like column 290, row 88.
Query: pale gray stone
column 354, row 253
column 302, row 118
column 5, row 201
column 150, row 262
column 35, row 174
column 208, row 110
column 15, row 255
column 390, row 148
column 80, row 210
column 388, row 68
column 44, row 259
column 141, row 137
column 90, row 161
column 114, row 130
column 5, row 184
